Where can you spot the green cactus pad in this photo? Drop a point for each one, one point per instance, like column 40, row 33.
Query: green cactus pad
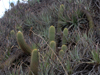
column 21, row 42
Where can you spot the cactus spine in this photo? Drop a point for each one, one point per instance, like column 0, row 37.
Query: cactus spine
column 65, row 34
column 51, row 33
column 34, row 62
column 21, row 42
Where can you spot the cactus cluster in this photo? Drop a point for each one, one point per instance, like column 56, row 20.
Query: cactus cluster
column 34, row 53
column 52, row 42
column 27, row 49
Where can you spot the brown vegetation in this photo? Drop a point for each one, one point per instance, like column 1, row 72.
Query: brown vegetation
column 79, row 17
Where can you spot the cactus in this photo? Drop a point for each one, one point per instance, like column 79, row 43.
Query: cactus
column 51, row 33
column 60, row 15
column 61, row 54
column 89, row 17
column 21, row 42
column 65, row 34
column 61, row 11
column 34, row 62
column 64, row 48
column 12, row 32
column 62, row 51
column 53, row 47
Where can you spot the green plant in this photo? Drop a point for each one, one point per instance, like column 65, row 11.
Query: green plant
column 12, row 35
column 34, row 46
column 64, row 38
column 52, row 33
column 34, row 62
column 53, row 47
column 60, row 17
column 18, row 71
column 62, row 51
column 34, row 53
column 74, row 17
column 75, row 54
column 61, row 54
column 45, row 34
column 89, row 18
column 21, row 42
column 45, row 65
column 95, row 56
column 52, row 37
column 68, row 66
column 12, row 32
column 45, row 17
column 19, row 27
column 64, row 47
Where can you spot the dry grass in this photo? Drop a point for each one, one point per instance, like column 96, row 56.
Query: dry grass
column 37, row 18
